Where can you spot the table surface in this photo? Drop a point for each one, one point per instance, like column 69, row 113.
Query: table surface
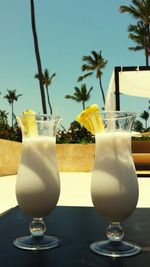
column 77, row 227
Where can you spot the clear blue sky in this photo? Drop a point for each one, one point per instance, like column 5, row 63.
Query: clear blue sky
column 67, row 30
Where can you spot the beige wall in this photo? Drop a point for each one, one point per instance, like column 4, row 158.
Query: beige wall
column 70, row 157
column 10, row 153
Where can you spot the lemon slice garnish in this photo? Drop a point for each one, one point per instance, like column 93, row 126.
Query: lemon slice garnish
column 91, row 119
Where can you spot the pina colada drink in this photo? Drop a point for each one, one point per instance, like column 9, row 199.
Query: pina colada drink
column 114, row 186
column 38, row 185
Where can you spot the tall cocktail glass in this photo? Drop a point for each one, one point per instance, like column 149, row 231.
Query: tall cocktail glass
column 114, row 185
column 38, row 183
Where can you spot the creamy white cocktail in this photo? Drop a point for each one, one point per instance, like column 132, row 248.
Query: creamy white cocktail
column 114, row 185
column 38, row 184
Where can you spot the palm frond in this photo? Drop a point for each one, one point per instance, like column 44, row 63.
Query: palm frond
column 88, row 93
column 90, row 61
column 36, row 76
column 136, row 48
column 138, row 10
column 81, row 78
column 70, row 97
column 86, row 67
column 131, row 10
column 53, row 75
column 96, row 55
column 77, row 92
column 46, row 73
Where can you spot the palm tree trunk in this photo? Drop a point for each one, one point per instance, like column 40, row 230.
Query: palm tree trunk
column 147, row 59
column 48, row 99
column 12, row 114
column 37, row 53
column 102, row 91
column 145, row 124
column 148, row 48
column 83, row 104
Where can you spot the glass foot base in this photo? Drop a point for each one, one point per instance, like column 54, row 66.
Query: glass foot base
column 37, row 243
column 115, row 249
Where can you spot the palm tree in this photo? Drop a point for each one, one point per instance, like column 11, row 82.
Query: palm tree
column 145, row 116
column 138, row 126
column 140, row 10
column 95, row 64
column 11, row 97
column 37, row 53
column 80, row 95
column 3, row 116
column 47, row 80
column 138, row 34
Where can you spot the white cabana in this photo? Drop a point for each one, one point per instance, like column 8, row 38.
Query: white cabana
column 133, row 81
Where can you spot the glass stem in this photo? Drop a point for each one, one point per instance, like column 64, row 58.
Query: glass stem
column 115, row 232
column 37, row 227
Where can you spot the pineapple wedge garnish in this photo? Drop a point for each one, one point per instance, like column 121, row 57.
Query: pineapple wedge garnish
column 91, row 119
column 28, row 122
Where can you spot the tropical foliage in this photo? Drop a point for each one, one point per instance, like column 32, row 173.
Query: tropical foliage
column 47, row 81
column 80, row 95
column 145, row 116
column 138, row 126
column 95, row 63
column 11, row 98
column 75, row 134
column 6, row 131
column 140, row 32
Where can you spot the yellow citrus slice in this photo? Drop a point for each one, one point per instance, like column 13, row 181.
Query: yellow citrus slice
column 28, row 121
column 91, row 119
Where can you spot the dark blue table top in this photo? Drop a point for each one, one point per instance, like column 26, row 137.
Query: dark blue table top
column 77, row 227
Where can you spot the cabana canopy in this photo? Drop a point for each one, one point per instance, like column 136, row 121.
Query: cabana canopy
column 134, row 81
